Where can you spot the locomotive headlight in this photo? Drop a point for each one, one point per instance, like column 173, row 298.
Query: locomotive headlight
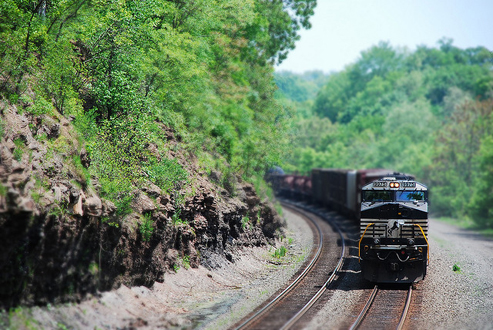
column 394, row 185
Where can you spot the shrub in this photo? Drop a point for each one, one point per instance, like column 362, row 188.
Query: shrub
column 146, row 228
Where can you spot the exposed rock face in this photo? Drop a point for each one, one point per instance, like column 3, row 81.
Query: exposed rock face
column 59, row 240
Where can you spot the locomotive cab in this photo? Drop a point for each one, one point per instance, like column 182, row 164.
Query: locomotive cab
column 393, row 245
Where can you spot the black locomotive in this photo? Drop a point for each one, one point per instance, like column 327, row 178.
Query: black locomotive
column 391, row 208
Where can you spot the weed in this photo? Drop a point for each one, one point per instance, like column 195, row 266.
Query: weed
column 281, row 252
column 93, row 268
column 2, row 128
column 244, row 223
column 146, row 227
column 40, row 188
column 81, row 171
column 186, row 262
column 18, row 152
column 3, row 190
column 176, row 218
column 57, row 210
column 176, row 268
column 278, row 208
column 20, row 318
column 456, row 268
column 61, row 326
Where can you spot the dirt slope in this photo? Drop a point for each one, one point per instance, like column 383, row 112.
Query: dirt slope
column 56, row 244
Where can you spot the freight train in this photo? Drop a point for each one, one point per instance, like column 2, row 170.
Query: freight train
column 392, row 211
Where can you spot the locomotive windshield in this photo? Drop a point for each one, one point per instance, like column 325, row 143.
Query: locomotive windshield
column 390, row 196
column 406, row 196
column 378, row 196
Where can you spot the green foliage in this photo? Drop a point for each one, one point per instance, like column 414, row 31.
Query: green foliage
column 2, row 128
column 281, row 252
column 146, row 227
column 19, row 149
column 300, row 88
column 177, row 220
column 186, row 262
column 245, row 221
column 427, row 113
column 167, row 174
column 124, row 68
column 482, row 196
column 456, row 268
column 3, row 190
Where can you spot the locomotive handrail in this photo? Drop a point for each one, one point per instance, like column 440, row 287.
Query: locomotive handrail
column 359, row 243
column 427, row 244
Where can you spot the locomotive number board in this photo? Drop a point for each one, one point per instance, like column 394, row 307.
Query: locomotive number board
column 408, row 184
column 379, row 184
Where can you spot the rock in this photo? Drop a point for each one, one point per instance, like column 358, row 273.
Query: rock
column 74, row 195
column 13, row 198
column 84, row 158
column 143, row 204
column 3, row 204
column 108, row 208
column 27, row 205
column 54, row 131
column 93, row 206
column 152, row 190
column 57, row 193
column 215, row 176
column 77, row 208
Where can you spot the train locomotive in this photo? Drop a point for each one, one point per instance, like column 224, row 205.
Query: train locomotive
column 391, row 208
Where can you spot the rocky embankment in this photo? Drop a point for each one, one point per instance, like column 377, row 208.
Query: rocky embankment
column 60, row 241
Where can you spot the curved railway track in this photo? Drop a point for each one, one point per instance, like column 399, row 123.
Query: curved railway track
column 289, row 306
column 382, row 309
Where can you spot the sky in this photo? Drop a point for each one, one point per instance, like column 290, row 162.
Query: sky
column 341, row 29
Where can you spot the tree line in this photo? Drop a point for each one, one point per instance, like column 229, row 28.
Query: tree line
column 428, row 112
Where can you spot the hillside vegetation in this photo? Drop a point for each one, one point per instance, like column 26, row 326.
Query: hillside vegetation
column 119, row 69
column 428, row 112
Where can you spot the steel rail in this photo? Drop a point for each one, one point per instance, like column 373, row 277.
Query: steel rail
column 406, row 309
column 296, row 281
column 368, row 304
column 365, row 309
column 320, row 292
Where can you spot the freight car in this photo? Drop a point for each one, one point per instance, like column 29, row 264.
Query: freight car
column 392, row 210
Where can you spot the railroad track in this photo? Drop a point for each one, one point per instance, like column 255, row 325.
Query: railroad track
column 289, row 306
column 382, row 309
